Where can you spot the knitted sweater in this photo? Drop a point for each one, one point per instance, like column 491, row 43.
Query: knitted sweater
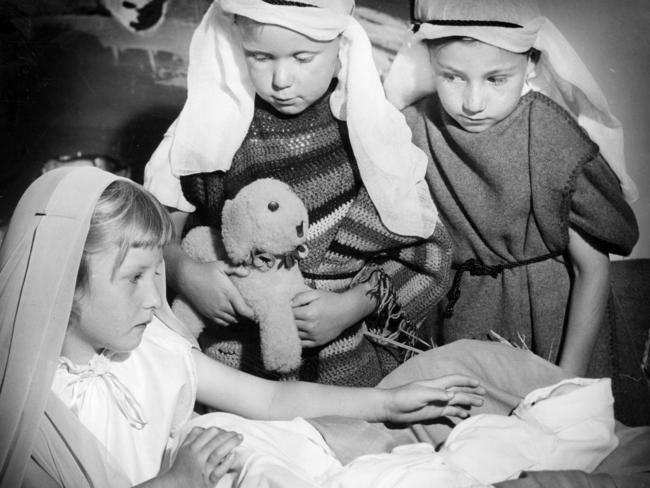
column 346, row 241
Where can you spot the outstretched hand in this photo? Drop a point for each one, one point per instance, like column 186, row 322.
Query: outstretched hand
column 447, row 396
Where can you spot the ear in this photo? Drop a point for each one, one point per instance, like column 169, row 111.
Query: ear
column 236, row 231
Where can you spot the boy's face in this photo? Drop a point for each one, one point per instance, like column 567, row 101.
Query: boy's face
column 288, row 70
column 117, row 304
column 478, row 84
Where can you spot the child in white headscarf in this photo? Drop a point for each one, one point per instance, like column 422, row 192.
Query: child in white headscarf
column 526, row 170
column 95, row 381
column 288, row 89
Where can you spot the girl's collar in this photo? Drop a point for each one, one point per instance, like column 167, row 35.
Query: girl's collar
column 99, row 363
column 99, row 369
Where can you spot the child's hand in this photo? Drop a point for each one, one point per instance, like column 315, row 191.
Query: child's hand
column 203, row 458
column 447, row 396
column 321, row 316
column 209, row 289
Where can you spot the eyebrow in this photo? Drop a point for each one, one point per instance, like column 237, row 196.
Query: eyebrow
column 496, row 71
column 254, row 51
column 259, row 51
column 131, row 268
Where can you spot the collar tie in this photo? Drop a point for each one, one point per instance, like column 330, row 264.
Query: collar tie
column 98, row 370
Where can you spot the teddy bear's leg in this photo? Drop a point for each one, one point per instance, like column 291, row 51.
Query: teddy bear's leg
column 280, row 344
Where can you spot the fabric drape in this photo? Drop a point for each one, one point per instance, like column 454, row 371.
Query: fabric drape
column 559, row 74
column 220, row 106
column 39, row 260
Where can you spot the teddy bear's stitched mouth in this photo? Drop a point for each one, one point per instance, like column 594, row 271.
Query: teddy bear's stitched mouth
column 300, row 229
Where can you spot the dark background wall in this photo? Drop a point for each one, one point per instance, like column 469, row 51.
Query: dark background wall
column 73, row 79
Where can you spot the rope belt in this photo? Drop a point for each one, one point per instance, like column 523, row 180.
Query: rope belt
column 477, row 268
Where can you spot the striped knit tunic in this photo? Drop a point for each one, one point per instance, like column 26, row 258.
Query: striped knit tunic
column 347, row 242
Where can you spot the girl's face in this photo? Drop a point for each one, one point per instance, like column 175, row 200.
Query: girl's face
column 478, row 84
column 117, row 304
column 288, row 70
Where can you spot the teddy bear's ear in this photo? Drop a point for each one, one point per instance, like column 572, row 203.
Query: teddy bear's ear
column 237, row 231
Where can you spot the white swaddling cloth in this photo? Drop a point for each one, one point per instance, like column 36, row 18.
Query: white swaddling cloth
column 569, row 425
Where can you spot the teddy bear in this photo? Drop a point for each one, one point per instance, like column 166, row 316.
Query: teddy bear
column 264, row 228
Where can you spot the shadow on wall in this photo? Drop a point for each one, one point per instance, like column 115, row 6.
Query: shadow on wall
column 80, row 82
column 105, row 77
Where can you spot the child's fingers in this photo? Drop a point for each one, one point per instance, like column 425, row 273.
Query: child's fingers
column 222, row 468
column 430, row 395
column 303, row 298
column 224, row 318
column 304, row 316
column 309, row 333
column 305, row 326
column 193, row 435
column 221, row 450
column 233, row 270
column 457, row 412
column 466, row 399
column 433, row 411
column 206, row 437
column 222, row 322
column 453, row 380
column 217, row 448
column 241, row 307
column 478, row 390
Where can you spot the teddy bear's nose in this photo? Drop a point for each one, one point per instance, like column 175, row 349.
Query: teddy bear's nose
column 300, row 229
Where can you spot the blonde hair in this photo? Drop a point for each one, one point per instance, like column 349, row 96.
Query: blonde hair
column 126, row 216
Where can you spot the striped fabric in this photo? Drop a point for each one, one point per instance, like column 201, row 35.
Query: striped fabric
column 347, row 241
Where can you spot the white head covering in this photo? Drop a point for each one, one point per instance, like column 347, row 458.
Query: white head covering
column 39, row 259
column 517, row 26
column 219, row 110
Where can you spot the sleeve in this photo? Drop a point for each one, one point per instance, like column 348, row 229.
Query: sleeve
column 420, row 273
column 599, row 210
column 408, row 281
column 205, row 191
column 573, row 186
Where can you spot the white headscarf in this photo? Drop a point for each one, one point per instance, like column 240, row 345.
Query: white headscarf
column 39, row 260
column 219, row 110
column 517, row 26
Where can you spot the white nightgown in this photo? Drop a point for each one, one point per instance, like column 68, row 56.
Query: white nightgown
column 134, row 403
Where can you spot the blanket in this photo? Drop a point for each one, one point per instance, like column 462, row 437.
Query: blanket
column 575, row 436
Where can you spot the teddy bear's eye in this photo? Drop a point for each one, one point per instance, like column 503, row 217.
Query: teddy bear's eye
column 273, row 206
